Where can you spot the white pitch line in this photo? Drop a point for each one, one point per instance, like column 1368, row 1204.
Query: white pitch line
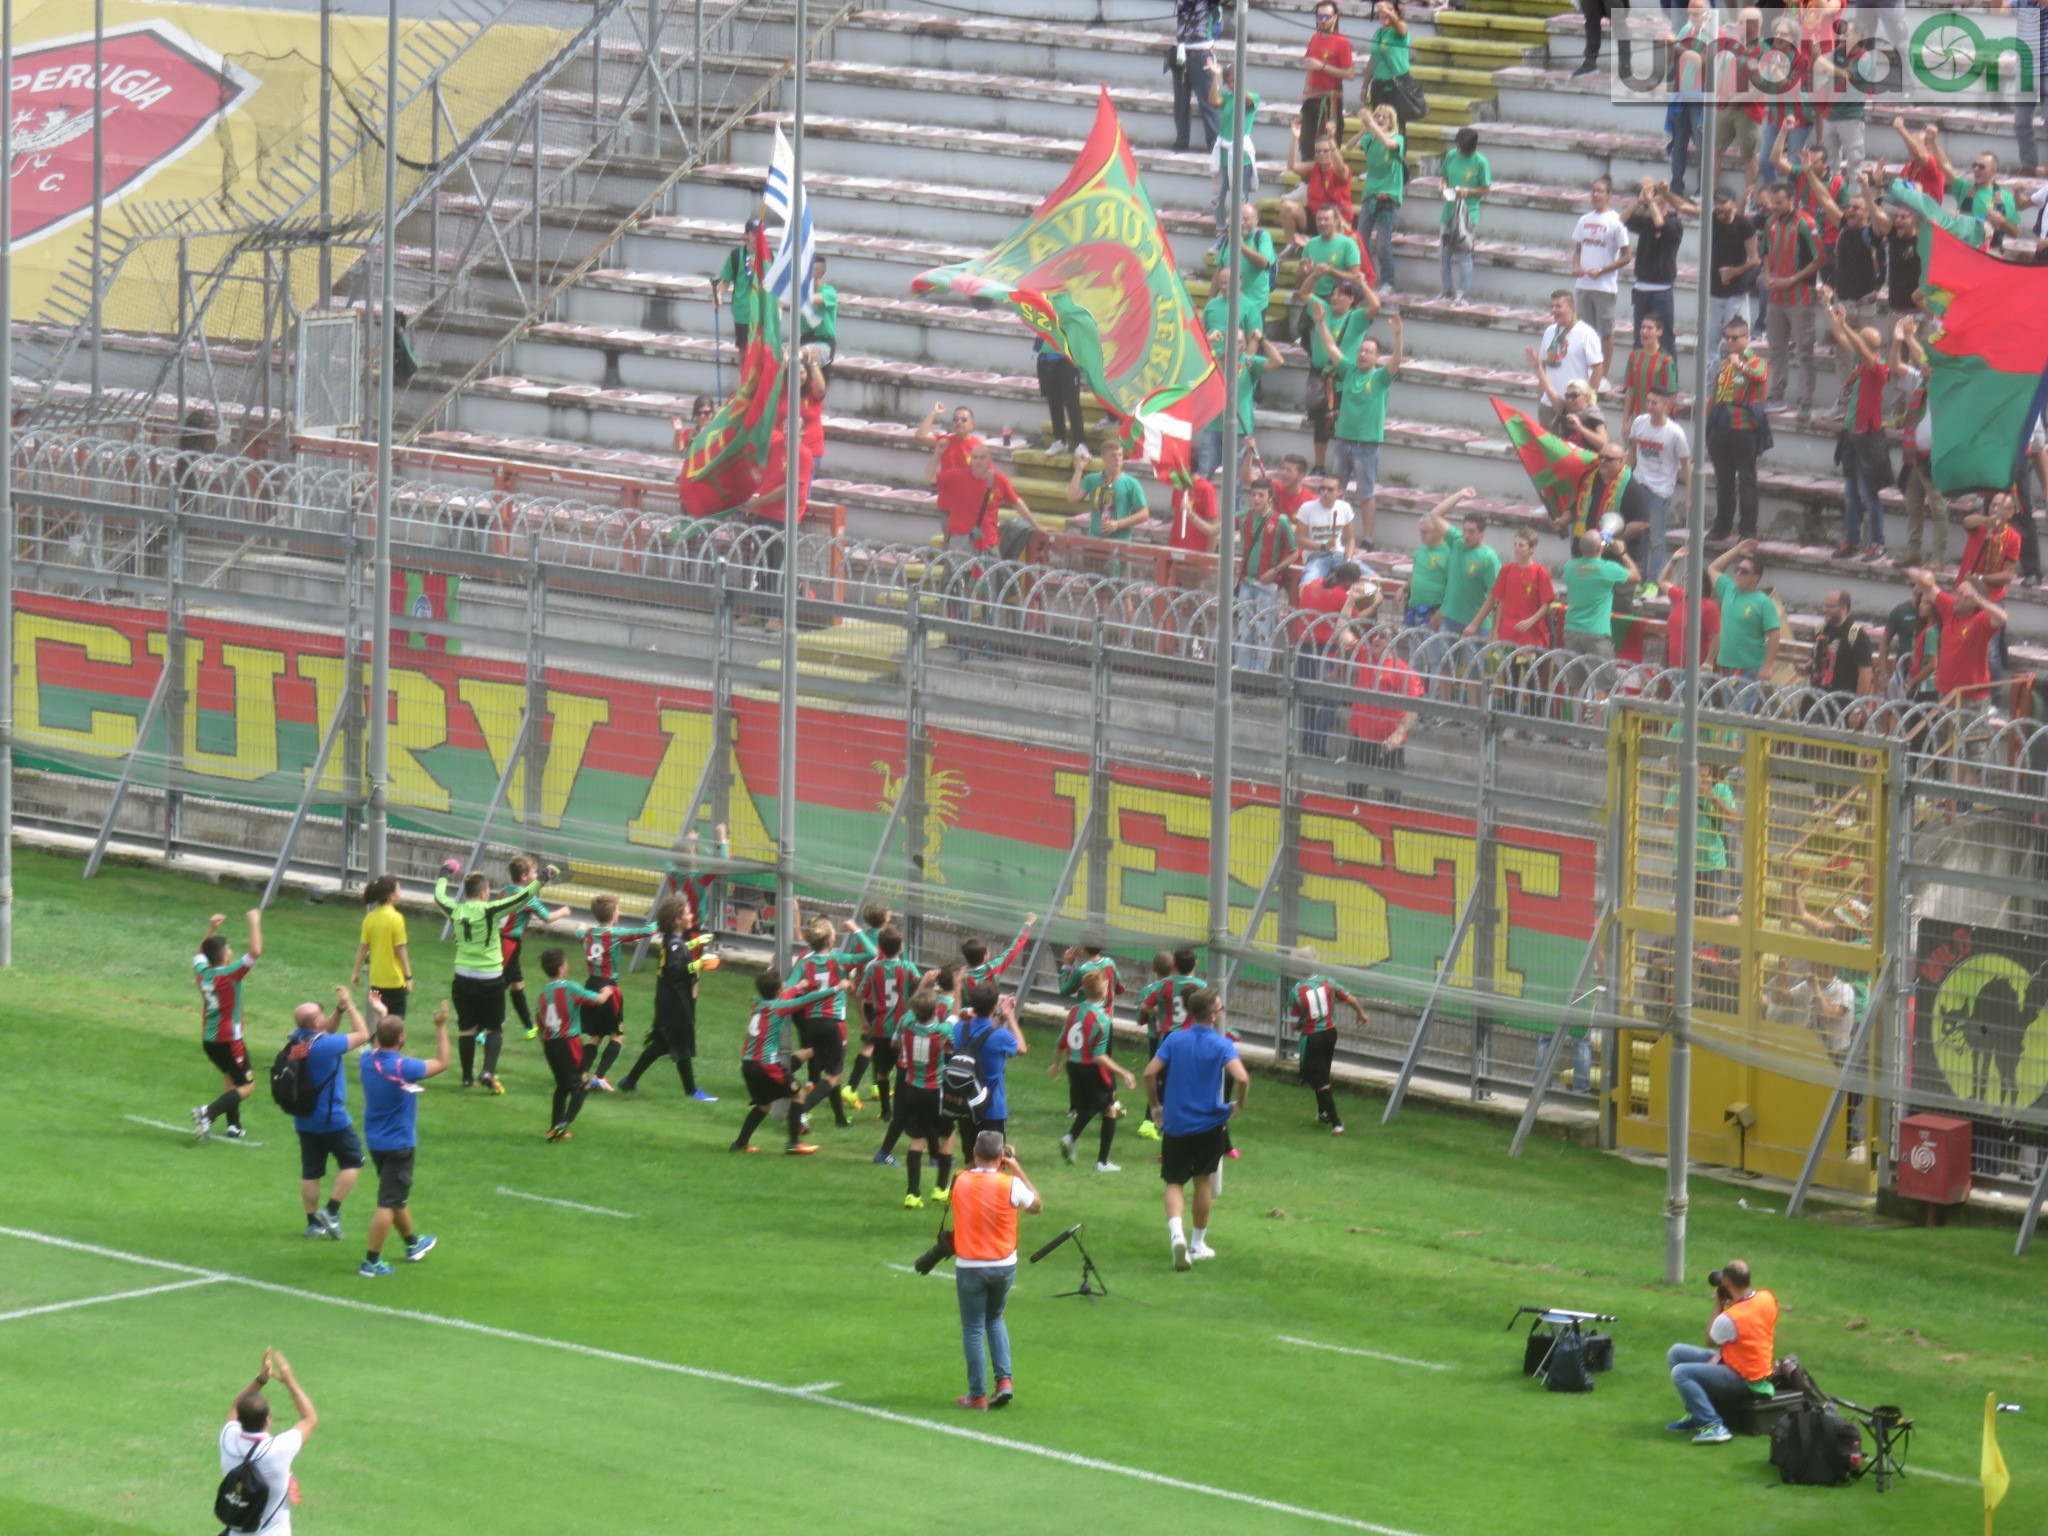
column 573, row 1205
column 186, row 1130
column 93, row 1301
column 1363, row 1354
column 726, row 1378
column 905, row 1269
column 1940, row 1477
column 819, row 1386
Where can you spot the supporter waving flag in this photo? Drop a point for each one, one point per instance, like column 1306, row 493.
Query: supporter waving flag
column 1555, row 466
column 1091, row 272
column 722, row 466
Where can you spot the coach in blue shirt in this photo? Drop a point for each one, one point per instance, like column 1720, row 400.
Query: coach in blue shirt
column 1189, row 1108
column 994, row 1036
column 391, row 1086
column 325, row 1131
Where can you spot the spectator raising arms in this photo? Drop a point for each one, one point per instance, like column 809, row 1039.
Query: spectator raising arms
column 1391, row 84
column 1330, row 63
column 1386, row 185
column 1325, row 183
column 1862, row 451
column 1750, row 626
column 1345, row 323
column 1223, row 93
column 1363, row 384
column 1655, row 222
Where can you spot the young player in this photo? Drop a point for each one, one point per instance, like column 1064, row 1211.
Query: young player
column 478, row 990
column 884, row 989
column 690, row 885
column 823, row 1028
column 1084, row 1048
column 561, row 1038
column 1313, row 1003
column 1169, row 1008
column 382, row 945
column 606, row 1021
column 1080, row 961
column 675, row 996
column 761, row 1065
column 220, row 977
column 923, row 1044
column 858, row 951
column 512, row 933
column 975, row 952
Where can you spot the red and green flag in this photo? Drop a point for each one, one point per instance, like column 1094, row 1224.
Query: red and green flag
column 428, row 595
column 722, row 467
column 1555, row 467
column 1091, row 272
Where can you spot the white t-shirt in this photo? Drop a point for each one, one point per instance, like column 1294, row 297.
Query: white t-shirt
column 1569, row 358
column 2039, row 203
column 272, row 1462
column 1722, row 1329
column 1601, row 238
column 1838, row 994
column 1659, row 452
column 1322, row 527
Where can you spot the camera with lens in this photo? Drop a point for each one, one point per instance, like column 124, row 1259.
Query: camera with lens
column 1714, row 1280
column 941, row 1249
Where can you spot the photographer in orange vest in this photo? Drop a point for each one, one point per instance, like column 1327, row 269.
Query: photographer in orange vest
column 986, row 1200
column 1744, row 1333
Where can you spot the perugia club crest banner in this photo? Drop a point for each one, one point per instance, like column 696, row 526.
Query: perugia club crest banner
column 1091, row 272
column 1978, row 1031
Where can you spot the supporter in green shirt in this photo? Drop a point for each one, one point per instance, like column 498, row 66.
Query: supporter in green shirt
column 824, row 328
column 1749, row 616
column 1589, row 583
column 1115, row 500
column 736, row 277
column 1473, row 572
column 1329, row 254
column 1256, row 265
column 1466, row 178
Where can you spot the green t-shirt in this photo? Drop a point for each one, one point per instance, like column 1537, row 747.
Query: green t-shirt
column 1250, row 369
column 475, row 922
column 1712, row 846
column 1348, row 329
column 1589, row 595
column 1339, row 251
column 1106, row 504
column 1229, row 108
column 1256, row 280
column 1465, row 171
column 1384, row 176
column 1431, row 575
column 738, row 272
column 1472, row 578
column 1362, row 401
column 825, row 300
column 1389, row 54
column 1981, row 202
column 1747, row 619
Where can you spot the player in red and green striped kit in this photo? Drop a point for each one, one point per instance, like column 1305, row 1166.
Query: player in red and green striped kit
column 1163, row 1008
column 823, row 1028
column 512, row 934
column 220, row 979
column 761, row 1064
column 884, row 989
column 1313, row 1003
column 974, row 951
column 561, row 1038
column 1085, row 1044
column 863, row 939
column 923, row 1043
column 606, row 1021
column 1078, row 962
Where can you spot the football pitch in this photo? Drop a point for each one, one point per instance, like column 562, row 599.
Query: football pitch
column 638, row 1331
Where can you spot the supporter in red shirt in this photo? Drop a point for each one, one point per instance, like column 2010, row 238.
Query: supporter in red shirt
column 1992, row 547
column 1927, row 164
column 1969, row 625
column 970, row 498
column 1325, row 183
column 1330, row 63
column 1195, row 515
column 1290, row 486
column 1522, row 595
column 1330, row 609
column 1380, row 723
column 1674, row 627
column 950, row 450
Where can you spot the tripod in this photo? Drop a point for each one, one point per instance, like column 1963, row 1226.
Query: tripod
column 1092, row 1284
column 1890, row 1433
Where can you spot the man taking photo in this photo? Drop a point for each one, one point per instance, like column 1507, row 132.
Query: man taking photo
column 986, row 1200
column 1744, row 1335
column 1192, row 1115
column 247, row 1445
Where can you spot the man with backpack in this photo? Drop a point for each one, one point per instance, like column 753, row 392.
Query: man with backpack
column 256, row 1466
column 1744, row 1334
column 309, row 1082
column 971, row 1086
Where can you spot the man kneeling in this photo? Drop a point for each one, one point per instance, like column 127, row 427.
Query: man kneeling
column 1744, row 1330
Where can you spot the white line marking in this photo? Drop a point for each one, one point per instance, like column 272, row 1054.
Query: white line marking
column 905, row 1269
column 1363, row 1354
column 1941, row 1477
column 93, row 1301
column 186, row 1130
column 725, row 1378
column 573, row 1205
column 818, row 1386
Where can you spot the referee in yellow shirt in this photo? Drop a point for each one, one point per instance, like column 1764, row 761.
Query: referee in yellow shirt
column 383, row 945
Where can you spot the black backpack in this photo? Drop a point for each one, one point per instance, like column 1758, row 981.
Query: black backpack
column 1566, row 1370
column 292, row 1085
column 243, row 1494
column 961, row 1090
column 1817, row 1448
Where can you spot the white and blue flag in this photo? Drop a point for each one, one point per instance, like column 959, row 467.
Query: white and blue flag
column 797, row 252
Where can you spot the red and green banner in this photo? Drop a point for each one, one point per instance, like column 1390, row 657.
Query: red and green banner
column 1091, row 273
column 1555, row 467
column 432, row 595
column 722, row 466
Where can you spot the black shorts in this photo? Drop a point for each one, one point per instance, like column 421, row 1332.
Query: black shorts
column 675, row 1020
column 886, row 1056
column 315, row 1147
column 1088, row 1088
column 970, row 1128
column 923, row 1119
column 232, row 1057
column 827, row 1043
column 394, row 1178
column 1317, row 1052
column 1182, row 1158
column 393, row 999
column 515, row 973
column 765, row 1083
column 479, row 1003
column 603, row 1019
column 565, row 1057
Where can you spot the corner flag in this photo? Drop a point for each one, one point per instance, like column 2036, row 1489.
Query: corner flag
column 1991, row 1472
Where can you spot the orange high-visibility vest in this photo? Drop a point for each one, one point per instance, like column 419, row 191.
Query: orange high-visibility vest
column 1756, row 1326
column 984, row 1220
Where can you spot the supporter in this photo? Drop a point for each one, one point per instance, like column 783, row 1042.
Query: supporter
column 1595, row 11
column 1927, row 163
column 1330, row 63
column 1474, row 569
column 1610, row 489
column 1859, row 268
column 1984, row 199
column 1738, row 125
column 1343, row 597
column 970, row 501
column 1792, row 261
column 951, row 450
column 1926, row 507
column 1990, row 549
column 736, row 280
column 1328, row 259
column 1842, row 102
column 1600, row 249
column 1522, row 594
column 265, row 1459
column 1660, row 459
column 1744, row 1336
column 1900, row 231
column 1718, row 818
column 1467, row 177
column 1059, row 384
column 1735, row 259
column 1862, row 451
column 1383, row 714
column 1589, row 582
column 1734, row 430
column 1386, row 184
column 986, row 1199
column 1674, row 579
column 1750, row 626
column 1843, row 659
column 1569, row 352
column 1114, row 499
column 1827, row 1003
column 1195, row 516
column 1325, row 183
column 1256, row 266
column 1655, row 223
column 1651, row 366
column 1686, row 116
column 821, row 323
column 1258, row 355
column 1363, row 384
column 1290, row 486
column 1785, row 129
column 1577, row 420
column 1267, row 557
column 1223, row 94
column 1817, row 193
column 1390, row 62
column 1347, row 322
column 1190, row 62
column 1430, row 570
column 702, row 409
column 1327, row 528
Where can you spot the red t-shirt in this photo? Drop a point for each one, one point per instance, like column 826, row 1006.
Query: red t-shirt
column 1333, row 49
column 1321, row 601
column 1288, row 501
column 971, row 505
column 1965, row 660
column 1392, row 678
column 1184, row 534
column 1990, row 564
column 811, row 414
column 953, row 451
column 1523, row 590
column 1928, row 177
column 1332, row 189
column 1674, row 634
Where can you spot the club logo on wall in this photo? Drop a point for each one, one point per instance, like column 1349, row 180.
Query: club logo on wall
column 1978, row 1026
column 158, row 93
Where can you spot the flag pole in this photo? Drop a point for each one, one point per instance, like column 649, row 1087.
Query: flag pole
column 377, row 850
column 792, row 521
column 1226, row 524
column 7, row 482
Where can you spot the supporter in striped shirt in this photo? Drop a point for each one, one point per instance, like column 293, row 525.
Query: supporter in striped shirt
column 762, row 1065
column 1739, row 386
column 924, row 1043
column 1650, row 368
column 512, row 933
column 1864, row 454
column 561, row 1037
column 1792, row 259
column 1085, row 1045
column 1926, row 507
column 606, row 1021
column 1312, row 1005
column 220, row 979
column 1078, row 963
column 885, row 988
column 1269, row 556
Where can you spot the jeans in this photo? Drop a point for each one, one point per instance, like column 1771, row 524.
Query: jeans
column 1453, row 270
column 1318, row 716
column 1059, row 381
column 982, row 1294
column 1863, row 513
column 1191, row 88
column 1350, row 459
column 1376, row 228
column 1725, row 305
column 1582, row 1063
column 1209, row 452
column 1685, row 137
column 1652, row 304
column 1656, row 537
column 1697, row 1371
column 1258, row 616
column 1318, row 565
column 1733, row 452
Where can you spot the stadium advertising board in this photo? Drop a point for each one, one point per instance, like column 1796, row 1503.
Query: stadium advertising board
column 1978, row 1034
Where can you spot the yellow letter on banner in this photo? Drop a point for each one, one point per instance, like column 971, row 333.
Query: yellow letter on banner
column 419, row 723
column 659, row 823
column 1185, row 816
column 1360, row 937
column 111, row 733
column 328, row 675
column 1542, row 874
column 1074, row 787
column 572, row 718
column 1424, row 853
column 254, row 721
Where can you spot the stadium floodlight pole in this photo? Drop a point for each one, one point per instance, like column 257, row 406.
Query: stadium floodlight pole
column 1684, row 881
column 377, row 852
column 792, row 516
column 99, row 182
column 1226, row 524
column 7, row 485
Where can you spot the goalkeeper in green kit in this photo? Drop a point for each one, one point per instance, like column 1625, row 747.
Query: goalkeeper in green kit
column 478, row 989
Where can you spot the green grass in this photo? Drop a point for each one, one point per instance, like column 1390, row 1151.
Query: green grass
column 1417, row 1241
